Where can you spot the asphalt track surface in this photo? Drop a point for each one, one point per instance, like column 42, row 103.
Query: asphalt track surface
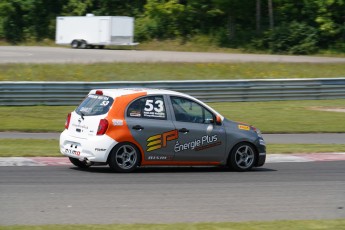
column 312, row 138
column 31, row 54
column 67, row 195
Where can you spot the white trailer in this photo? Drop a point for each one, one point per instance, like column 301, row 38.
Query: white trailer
column 90, row 31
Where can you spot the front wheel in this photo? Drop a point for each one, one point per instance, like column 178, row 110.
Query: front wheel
column 242, row 157
column 75, row 44
column 124, row 158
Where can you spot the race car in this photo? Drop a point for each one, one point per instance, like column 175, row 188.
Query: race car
column 129, row 128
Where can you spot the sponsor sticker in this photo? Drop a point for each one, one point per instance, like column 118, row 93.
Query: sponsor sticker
column 244, row 127
column 117, row 122
column 160, row 140
column 159, row 158
column 202, row 143
column 99, row 150
column 71, row 151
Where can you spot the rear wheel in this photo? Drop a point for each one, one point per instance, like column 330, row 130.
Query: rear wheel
column 78, row 163
column 83, row 44
column 242, row 157
column 124, row 158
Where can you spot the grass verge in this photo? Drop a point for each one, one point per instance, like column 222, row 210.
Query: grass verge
column 29, row 148
column 50, row 148
column 287, row 116
column 272, row 225
column 167, row 71
column 269, row 117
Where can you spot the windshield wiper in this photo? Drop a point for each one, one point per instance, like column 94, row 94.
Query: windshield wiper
column 82, row 115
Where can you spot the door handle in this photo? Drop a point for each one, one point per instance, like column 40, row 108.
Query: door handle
column 183, row 130
column 138, row 127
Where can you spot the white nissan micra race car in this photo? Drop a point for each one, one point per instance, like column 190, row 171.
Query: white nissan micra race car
column 128, row 128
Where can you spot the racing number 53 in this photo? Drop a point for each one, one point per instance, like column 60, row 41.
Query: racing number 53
column 150, row 106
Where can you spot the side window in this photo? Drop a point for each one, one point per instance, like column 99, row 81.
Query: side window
column 151, row 107
column 186, row 110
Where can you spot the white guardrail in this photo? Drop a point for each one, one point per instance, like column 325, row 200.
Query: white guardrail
column 71, row 93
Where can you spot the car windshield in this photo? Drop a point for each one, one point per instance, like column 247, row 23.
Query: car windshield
column 95, row 105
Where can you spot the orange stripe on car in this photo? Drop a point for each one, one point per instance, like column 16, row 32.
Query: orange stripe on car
column 122, row 133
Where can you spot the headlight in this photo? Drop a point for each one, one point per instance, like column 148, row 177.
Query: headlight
column 258, row 132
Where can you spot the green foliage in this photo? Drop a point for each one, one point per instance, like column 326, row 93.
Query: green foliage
column 229, row 23
column 76, row 7
column 292, row 38
column 161, row 19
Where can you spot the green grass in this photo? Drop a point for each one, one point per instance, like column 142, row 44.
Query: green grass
column 34, row 118
column 287, row 116
column 167, row 71
column 267, row 225
column 269, row 117
column 50, row 148
column 29, row 148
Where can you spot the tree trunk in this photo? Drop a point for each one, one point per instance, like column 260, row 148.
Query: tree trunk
column 231, row 27
column 258, row 16
column 270, row 14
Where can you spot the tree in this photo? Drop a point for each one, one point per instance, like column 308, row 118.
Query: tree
column 270, row 14
column 258, row 16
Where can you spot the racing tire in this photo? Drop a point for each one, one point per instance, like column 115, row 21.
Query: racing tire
column 78, row 163
column 242, row 157
column 124, row 158
column 75, row 44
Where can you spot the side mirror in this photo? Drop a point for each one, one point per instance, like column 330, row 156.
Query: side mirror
column 218, row 120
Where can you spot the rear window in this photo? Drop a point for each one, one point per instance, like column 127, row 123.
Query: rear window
column 95, row 105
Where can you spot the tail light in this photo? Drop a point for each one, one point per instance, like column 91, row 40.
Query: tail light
column 102, row 127
column 68, row 119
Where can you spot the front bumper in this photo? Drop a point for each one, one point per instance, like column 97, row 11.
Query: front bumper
column 94, row 149
column 261, row 147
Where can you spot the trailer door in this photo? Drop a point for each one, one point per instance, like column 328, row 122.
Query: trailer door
column 104, row 31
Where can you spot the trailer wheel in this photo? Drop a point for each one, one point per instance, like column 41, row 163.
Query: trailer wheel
column 83, row 44
column 75, row 44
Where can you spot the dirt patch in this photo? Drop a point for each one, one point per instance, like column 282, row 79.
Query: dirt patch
column 328, row 109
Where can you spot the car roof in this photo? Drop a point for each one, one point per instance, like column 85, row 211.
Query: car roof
column 127, row 91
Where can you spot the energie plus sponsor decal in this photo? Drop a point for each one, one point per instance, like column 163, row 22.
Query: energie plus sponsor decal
column 160, row 141
column 198, row 144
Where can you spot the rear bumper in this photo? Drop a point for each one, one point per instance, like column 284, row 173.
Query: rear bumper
column 94, row 149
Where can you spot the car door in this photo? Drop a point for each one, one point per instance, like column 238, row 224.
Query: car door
column 151, row 126
column 200, row 139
